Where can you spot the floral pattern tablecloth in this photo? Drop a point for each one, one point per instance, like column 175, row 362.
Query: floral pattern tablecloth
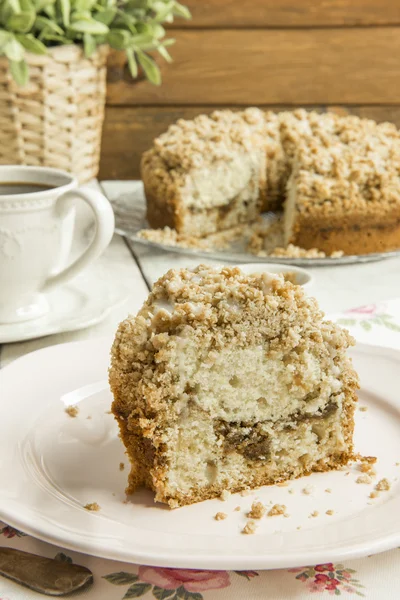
column 375, row 577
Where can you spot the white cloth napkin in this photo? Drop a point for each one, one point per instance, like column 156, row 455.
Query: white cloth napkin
column 375, row 577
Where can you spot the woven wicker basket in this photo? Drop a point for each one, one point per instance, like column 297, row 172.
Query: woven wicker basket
column 56, row 119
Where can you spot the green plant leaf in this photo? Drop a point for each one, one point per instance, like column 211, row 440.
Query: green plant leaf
column 132, row 64
column 106, row 16
column 80, row 5
column 21, row 22
column 163, row 10
column 89, row 44
column 161, row 593
column 65, row 10
column 181, row 11
column 50, row 11
column 54, row 37
column 31, row 44
column 164, row 53
column 89, row 26
column 366, row 325
column 19, row 71
column 43, row 23
column 14, row 6
column 150, row 68
column 137, row 589
column 119, row 39
column 5, row 36
column 13, row 50
column 121, row 578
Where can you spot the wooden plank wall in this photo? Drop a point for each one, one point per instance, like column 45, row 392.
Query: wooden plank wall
column 340, row 55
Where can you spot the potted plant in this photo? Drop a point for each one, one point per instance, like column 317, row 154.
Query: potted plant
column 53, row 73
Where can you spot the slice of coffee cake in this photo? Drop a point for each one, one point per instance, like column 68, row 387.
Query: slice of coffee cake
column 225, row 381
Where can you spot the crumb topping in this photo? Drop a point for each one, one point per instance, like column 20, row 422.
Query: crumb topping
column 276, row 510
column 249, row 528
column 220, row 516
column 257, row 511
column 72, row 411
column 364, row 479
column 93, row 506
column 383, row 485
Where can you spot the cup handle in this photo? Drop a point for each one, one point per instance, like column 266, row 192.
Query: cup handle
column 104, row 218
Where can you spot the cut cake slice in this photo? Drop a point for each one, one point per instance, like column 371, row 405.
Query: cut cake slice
column 227, row 381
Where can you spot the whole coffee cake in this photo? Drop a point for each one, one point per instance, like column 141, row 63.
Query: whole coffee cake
column 226, row 381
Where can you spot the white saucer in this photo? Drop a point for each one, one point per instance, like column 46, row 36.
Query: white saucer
column 85, row 301
column 54, row 464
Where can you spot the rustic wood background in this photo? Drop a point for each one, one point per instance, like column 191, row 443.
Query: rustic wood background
column 340, row 55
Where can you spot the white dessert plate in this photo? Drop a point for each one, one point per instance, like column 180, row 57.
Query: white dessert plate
column 52, row 465
column 130, row 218
column 83, row 302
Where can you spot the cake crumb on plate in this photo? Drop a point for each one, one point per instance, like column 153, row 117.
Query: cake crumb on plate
column 93, row 506
column 249, row 528
column 315, row 513
column 236, row 509
column 220, row 516
column 308, row 490
column 72, row 411
column 328, row 491
column 374, row 494
column 363, row 408
column 383, row 485
column 329, row 512
column 244, row 493
column 225, row 495
column 277, row 509
column 364, row 479
column 257, row 511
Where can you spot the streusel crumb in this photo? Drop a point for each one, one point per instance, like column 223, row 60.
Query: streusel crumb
column 257, row 511
column 92, row 506
column 364, row 479
column 220, row 516
column 383, row 485
column 121, row 466
column 249, row 528
column 72, row 411
column 276, row 510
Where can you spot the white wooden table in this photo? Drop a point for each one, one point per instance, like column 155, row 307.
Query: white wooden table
column 337, row 289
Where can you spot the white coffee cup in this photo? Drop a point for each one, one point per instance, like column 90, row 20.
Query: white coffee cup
column 36, row 232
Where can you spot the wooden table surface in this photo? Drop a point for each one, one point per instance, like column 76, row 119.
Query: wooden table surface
column 136, row 267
